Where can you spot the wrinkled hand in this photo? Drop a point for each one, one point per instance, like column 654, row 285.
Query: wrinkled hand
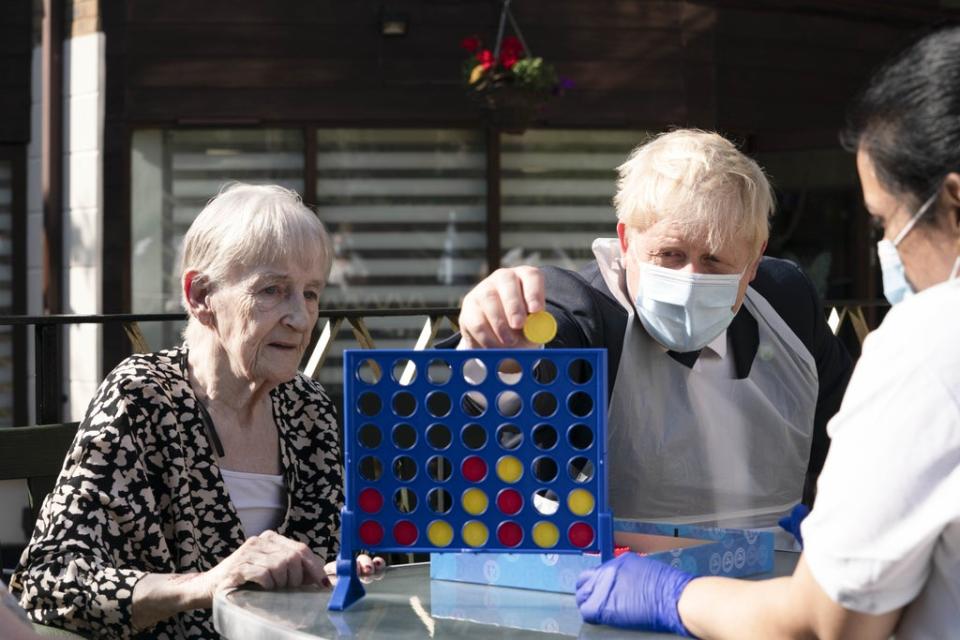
column 791, row 523
column 493, row 313
column 269, row 560
column 368, row 569
column 633, row 592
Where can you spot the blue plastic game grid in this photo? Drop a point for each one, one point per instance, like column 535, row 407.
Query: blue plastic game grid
column 395, row 401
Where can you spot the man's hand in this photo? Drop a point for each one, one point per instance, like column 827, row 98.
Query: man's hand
column 493, row 313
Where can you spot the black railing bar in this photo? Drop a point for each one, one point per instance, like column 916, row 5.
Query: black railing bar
column 63, row 319
column 879, row 302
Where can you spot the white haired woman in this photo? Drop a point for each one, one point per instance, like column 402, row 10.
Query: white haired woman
column 205, row 466
column 722, row 369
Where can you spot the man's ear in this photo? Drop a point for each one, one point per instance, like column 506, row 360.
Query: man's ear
column 622, row 235
column 196, row 291
column 951, row 188
column 755, row 266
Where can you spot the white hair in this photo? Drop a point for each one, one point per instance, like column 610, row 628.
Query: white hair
column 248, row 225
column 700, row 181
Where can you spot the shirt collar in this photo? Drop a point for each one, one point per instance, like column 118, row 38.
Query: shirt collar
column 719, row 345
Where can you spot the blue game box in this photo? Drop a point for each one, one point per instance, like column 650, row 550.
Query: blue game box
column 702, row 551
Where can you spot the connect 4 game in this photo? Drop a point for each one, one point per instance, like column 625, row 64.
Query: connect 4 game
column 486, row 451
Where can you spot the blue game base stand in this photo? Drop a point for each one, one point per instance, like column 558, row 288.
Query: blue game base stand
column 348, row 589
column 476, row 452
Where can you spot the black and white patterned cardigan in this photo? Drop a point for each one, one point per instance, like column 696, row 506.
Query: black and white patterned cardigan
column 140, row 491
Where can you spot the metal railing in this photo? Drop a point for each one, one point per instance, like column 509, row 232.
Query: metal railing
column 48, row 352
column 48, row 360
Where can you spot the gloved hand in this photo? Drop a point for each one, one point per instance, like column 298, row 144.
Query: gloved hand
column 633, row 592
column 791, row 523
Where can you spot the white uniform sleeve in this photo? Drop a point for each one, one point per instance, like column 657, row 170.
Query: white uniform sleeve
column 890, row 486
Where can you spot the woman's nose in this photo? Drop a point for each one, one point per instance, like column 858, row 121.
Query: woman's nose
column 297, row 316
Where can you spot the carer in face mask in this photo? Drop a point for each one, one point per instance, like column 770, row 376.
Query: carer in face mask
column 722, row 369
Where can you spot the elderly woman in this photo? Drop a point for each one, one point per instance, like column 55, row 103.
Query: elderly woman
column 882, row 549
column 205, row 466
column 722, row 369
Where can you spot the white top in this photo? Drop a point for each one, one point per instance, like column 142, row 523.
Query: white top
column 885, row 531
column 716, row 359
column 259, row 498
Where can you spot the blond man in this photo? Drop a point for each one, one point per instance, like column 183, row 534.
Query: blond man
column 722, row 370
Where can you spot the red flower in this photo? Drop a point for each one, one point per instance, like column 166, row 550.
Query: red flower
column 508, row 59
column 485, row 58
column 470, row 43
column 512, row 45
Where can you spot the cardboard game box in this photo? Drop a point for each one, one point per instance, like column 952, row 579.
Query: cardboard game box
column 702, row 551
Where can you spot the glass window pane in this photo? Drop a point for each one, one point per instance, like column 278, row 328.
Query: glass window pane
column 174, row 174
column 407, row 211
column 557, row 188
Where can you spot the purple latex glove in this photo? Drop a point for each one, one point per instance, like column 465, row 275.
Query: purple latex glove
column 791, row 523
column 633, row 592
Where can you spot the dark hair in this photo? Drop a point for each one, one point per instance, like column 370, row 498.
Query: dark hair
column 908, row 116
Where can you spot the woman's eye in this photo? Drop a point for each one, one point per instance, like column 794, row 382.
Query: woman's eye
column 272, row 290
column 311, row 295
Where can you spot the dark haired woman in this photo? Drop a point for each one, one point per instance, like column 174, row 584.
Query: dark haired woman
column 882, row 548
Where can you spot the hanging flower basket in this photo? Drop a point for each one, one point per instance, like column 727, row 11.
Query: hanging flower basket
column 510, row 85
column 510, row 108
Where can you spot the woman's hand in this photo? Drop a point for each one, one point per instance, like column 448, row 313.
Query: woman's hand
column 269, row 560
column 368, row 569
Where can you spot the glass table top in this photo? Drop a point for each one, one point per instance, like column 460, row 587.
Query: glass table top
column 405, row 603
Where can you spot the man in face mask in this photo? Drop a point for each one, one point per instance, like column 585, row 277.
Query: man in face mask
column 722, row 370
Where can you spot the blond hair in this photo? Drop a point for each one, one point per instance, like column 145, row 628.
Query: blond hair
column 248, row 225
column 700, row 181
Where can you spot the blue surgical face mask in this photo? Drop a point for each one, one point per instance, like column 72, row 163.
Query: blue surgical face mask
column 896, row 287
column 685, row 311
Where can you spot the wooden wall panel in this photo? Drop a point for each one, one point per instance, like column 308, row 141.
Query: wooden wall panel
column 327, row 61
column 762, row 68
column 785, row 77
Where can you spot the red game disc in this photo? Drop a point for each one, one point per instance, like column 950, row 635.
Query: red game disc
column 405, row 532
column 509, row 502
column 370, row 500
column 580, row 534
column 473, row 468
column 509, row 534
column 370, row 532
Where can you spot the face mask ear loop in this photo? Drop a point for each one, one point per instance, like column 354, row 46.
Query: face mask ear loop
column 955, row 273
column 913, row 221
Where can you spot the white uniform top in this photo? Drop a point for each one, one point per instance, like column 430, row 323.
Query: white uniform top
column 885, row 531
column 259, row 498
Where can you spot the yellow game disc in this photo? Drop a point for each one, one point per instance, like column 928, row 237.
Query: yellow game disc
column 545, row 534
column 474, row 501
column 580, row 502
column 540, row 327
column 440, row 533
column 509, row 469
column 475, row 533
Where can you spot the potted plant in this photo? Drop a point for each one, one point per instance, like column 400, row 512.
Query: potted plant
column 510, row 85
